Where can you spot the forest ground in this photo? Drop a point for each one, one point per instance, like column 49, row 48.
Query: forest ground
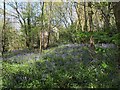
column 68, row 57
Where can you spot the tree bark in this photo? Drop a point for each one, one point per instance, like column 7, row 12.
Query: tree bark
column 116, row 10
column 3, row 31
column 85, row 17
column 90, row 13
column 41, row 33
column 78, row 26
column 49, row 25
column 106, row 16
column 29, row 25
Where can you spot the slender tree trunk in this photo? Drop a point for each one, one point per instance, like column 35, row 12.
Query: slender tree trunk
column 108, row 16
column 3, row 31
column 85, row 17
column 49, row 24
column 92, row 43
column 40, row 41
column 29, row 25
column 48, row 39
column 41, row 33
column 78, row 26
column 90, row 13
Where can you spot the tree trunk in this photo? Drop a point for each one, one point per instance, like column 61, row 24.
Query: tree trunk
column 106, row 16
column 40, row 41
column 85, row 17
column 90, row 13
column 49, row 28
column 116, row 10
column 78, row 26
column 3, row 32
column 41, row 33
column 29, row 25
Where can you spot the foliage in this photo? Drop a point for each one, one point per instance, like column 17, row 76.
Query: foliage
column 69, row 35
column 99, row 37
column 70, row 66
column 116, row 39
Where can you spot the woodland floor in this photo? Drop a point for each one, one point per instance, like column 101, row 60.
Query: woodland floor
column 83, row 66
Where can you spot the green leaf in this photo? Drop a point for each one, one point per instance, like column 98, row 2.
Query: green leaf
column 104, row 65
